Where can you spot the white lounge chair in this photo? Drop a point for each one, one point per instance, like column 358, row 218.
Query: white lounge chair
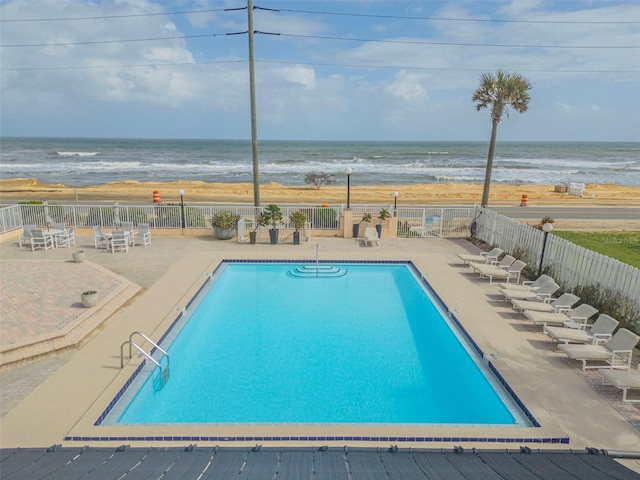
column 511, row 272
column 563, row 302
column 528, row 285
column 40, row 240
column 599, row 332
column 143, row 235
column 539, row 295
column 578, row 316
column 617, row 353
column 119, row 241
column 483, row 257
column 371, row 236
column 622, row 379
column 504, row 263
column 99, row 239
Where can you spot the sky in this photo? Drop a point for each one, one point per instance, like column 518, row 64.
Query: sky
column 324, row 70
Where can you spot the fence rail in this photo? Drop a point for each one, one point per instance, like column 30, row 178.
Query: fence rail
column 569, row 263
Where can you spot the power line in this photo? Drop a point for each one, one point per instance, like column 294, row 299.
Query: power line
column 129, row 40
column 445, row 19
column 314, row 64
column 456, row 44
column 101, row 17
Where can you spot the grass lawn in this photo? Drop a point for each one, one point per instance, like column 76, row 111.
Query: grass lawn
column 623, row 246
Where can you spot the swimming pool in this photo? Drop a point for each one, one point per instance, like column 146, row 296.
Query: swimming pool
column 371, row 346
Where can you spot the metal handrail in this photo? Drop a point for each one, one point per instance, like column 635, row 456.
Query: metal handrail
column 131, row 343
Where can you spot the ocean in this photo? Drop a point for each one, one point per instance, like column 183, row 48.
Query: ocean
column 91, row 161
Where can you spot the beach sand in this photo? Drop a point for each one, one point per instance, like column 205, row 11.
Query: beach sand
column 242, row 193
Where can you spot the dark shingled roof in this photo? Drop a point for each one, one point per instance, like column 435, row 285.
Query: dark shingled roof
column 221, row 463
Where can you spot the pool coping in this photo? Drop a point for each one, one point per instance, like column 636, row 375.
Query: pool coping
column 89, row 429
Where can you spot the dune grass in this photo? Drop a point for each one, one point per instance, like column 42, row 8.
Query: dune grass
column 623, row 246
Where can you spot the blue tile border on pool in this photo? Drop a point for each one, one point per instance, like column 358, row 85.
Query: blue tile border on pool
column 310, row 438
column 425, row 284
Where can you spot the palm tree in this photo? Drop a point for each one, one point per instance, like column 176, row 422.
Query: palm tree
column 499, row 92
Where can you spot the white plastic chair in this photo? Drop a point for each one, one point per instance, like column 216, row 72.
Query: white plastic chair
column 66, row 239
column 40, row 240
column 143, row 235
column 100, row 239
column 119, row 241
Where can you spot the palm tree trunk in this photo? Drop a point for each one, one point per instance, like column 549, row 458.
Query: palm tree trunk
column 487, row 175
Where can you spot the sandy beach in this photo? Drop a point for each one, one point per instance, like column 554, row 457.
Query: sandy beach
column 25, row 189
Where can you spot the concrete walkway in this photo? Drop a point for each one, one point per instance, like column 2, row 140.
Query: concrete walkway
column 60, row 395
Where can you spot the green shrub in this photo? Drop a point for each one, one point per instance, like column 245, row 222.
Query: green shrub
column 614, row 304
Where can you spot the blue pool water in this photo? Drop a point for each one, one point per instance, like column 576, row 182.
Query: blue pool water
column 367, row 347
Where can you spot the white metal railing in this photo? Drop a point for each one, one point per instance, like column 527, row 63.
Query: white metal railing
column 164, row 371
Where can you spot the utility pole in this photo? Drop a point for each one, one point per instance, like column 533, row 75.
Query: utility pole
column 254, row 127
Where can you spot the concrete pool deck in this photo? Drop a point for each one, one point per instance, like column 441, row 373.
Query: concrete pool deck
column 146, row 287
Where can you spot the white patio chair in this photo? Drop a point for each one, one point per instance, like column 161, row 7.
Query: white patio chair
column 528, row 285
column 119, row 241
column 25, row 236
column 100, row 239
column 599, row 332
column 483, row 257
column 66, row 239
column 541, row 294
column 143, row 235
column 40, row 240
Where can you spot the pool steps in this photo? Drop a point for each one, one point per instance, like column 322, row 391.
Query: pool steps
column 312, row 271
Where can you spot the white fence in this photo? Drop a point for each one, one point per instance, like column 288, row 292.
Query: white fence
column 571, row 264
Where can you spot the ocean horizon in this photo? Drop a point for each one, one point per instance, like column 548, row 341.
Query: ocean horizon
column 92, row 161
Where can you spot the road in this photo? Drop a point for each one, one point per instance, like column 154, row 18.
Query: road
column 578, row 213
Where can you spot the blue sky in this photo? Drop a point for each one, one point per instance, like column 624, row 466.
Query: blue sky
column 325, row 70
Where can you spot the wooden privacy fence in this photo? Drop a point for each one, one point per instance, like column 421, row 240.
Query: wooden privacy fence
column 570, row 264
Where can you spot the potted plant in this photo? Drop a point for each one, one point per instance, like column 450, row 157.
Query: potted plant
column 298, row 219
column 89, row 298
column 273, row 216
column 260, row 222
column 224, row 224
column 382, row 216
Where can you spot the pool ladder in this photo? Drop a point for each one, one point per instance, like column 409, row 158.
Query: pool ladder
column 164, row 371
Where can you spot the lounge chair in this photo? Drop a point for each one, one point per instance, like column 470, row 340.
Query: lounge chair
column 622, row 379
column 119, row 241
column 143, row 235
column 540, row 295
column 484, row 257
column 511, row 272
column 563, row 302
column 528, row 285
column 99, row 239
column 505, row 262
column 577, row 316
column 599, row 332
column 617, row 353
column 40, row 240
column 371, row 236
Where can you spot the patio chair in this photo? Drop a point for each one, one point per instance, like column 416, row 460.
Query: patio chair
column 599, row 332
column 575, row 317
column 119, row 241
column 505, row 262
column 143, row 235
column 622, row 379
column 541, row 294
column 60, row 226
column 483, row 257
column 491, row 271
column 563, row 302
column 40, row 240
column 528, row 285
column 100, row 239
column 66, row 239
column 371, row 236
column 25, row 236
column 617, row 353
